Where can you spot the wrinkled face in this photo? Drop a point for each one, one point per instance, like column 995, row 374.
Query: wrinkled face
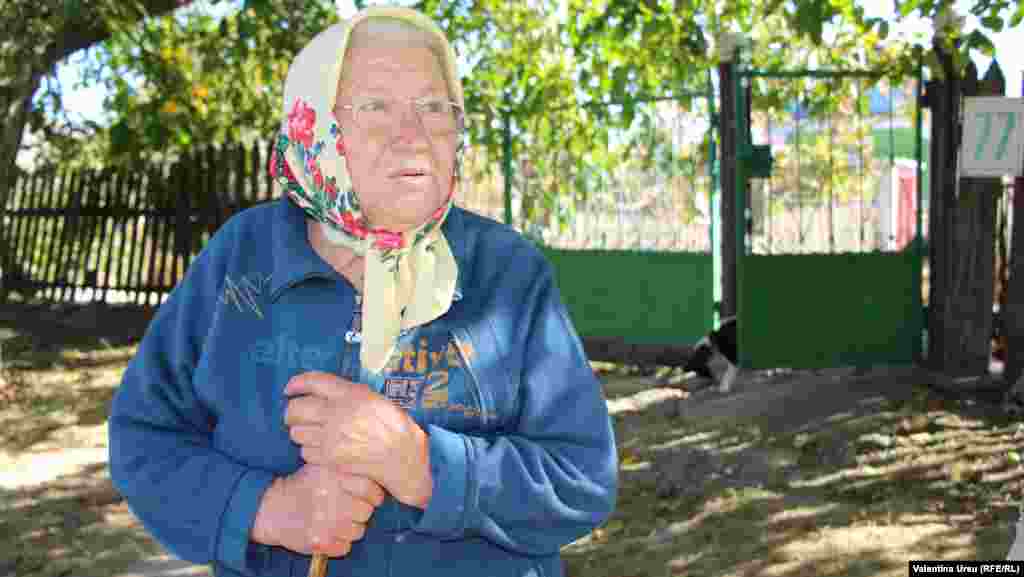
column 400, row 161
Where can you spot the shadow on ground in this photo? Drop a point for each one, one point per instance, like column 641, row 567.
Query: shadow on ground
column 826, row 476
column 40, row 336
column 75, row 525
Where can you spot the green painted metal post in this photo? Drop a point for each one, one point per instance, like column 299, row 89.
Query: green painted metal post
column 507, row 154
column 715, row 204
column 739, row 142
column 919, row 236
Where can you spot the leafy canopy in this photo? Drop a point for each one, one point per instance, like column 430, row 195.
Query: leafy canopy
column 545, row 66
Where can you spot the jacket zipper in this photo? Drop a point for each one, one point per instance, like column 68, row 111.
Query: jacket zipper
column 353, row 337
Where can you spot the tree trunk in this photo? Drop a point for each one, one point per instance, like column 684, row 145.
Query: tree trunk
column 970, row 294
column 968, row 310
column 1013, row 315
column 944, row 102
column 1013, row 312
column 965, row 246
column 16, row 102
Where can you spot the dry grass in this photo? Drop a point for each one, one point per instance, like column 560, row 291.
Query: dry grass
column 833, row 501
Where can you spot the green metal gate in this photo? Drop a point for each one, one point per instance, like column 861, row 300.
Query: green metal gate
column 658, row 288
column 829, row 197
column 634, row 260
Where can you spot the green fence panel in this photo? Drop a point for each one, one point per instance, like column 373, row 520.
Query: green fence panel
column 642, row 297
column 828, row 264
column 828, row 310
column 626, row 220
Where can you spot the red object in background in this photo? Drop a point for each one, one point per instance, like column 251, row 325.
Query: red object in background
column 906, row 219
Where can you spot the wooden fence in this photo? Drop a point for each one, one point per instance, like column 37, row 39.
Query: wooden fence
column 128, row 235
column 123, row 235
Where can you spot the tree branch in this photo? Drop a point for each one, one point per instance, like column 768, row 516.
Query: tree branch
column 89, row 28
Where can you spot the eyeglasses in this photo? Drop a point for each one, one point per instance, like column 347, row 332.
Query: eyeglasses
column 378, row 115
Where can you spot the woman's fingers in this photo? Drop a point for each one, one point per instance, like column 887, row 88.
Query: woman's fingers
column 359, row 510
column 338, row 548
column 324, row 543
column 348, row 531
column 307, row 435
column 313, row 455
column 338, row 516
column 332, row 531
column 347, row 515
column 363, row 488
column 306, row 410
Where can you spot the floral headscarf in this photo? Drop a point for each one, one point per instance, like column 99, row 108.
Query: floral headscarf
column 410, row 276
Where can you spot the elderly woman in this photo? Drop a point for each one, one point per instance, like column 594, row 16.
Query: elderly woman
column 360, row 369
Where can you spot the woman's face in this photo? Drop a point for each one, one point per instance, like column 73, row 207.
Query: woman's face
column 401, row 163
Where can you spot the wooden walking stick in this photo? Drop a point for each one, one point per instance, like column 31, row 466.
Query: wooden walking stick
column 319, row 566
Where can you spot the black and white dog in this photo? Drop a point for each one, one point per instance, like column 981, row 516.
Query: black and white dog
column 714, row 356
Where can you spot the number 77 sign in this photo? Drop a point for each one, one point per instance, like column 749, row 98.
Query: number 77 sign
column 993, row 142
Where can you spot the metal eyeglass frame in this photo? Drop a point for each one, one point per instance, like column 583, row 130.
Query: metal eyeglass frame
column 460, row 120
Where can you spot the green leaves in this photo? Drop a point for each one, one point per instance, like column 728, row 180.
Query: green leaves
column 993, row 22
column 620, row 77
column 882, row 26
column 179, row 80
column 977, row 40
column 196, row 78
column 72, row 9
column 811, row 17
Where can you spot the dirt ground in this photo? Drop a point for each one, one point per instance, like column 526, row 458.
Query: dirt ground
column 807, row 473
column 835, row 472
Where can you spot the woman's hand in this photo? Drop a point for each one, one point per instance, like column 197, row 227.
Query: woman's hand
column 348, row 427
column 316, row 510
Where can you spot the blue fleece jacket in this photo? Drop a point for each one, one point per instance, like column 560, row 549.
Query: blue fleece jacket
column 521, row 447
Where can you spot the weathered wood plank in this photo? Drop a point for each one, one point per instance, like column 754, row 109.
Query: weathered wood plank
column 79, row 272
column 151, row 237
column 110, row 230
column 210, row 202
column 49, row 228
column 69, row 232
column 21, row 227
column 31, row 258
column 166, row 261
column 136, row 201
column 60, row 222
column 253, row 173
column 182, row 218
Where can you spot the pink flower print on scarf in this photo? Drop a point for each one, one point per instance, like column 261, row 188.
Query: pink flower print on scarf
column 385, row 240
column 353, row 226
column 301, row 121
column 331, row 189
column 313, row 167
column 440, row 210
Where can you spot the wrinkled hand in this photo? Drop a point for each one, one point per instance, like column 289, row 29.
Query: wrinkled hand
column 348, row 427
column 316, row 510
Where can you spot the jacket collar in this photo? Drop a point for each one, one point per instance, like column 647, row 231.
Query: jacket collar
column 295, row 261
